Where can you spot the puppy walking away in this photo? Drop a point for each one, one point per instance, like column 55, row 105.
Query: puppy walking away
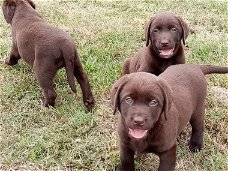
column 45, row 48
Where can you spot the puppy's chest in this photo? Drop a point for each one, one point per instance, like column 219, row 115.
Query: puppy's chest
column 158, row 67
column 163, row 65
column 149, row 145
column 143, row 146
column 139, row 146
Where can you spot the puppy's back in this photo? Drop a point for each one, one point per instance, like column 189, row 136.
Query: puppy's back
column 185, row 75
column 188, row 85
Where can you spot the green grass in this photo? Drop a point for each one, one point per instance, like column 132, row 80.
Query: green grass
column 106, row 32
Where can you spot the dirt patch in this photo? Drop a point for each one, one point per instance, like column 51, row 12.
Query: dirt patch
column 220, row 93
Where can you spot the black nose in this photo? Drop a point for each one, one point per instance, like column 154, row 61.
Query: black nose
column 164, row 43
column 138, row 121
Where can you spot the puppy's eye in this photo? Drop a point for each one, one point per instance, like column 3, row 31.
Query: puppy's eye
column 173, row 29
column 156, row 30
column 153, row 103
column 129, row 100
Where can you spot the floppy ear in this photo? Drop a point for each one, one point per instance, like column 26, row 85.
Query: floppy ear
column 185, row 29
column 8, row 9
column 31, row 3
column 168, row 96
column 116, row 89
column 147, row 31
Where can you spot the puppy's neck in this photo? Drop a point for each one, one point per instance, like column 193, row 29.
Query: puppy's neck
column 25, row 15
column 139, row 145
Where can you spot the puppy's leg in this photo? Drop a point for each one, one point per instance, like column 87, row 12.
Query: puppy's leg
column 125, row 69
column 197, row 123
column 45, row 73
column 180, row 58
column 126, row 159
column 167, row 160
column 14, row 56
column 82, row 79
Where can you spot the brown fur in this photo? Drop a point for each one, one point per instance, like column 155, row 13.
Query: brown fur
column 164, row 31
column 162, row 105
column 45, row 48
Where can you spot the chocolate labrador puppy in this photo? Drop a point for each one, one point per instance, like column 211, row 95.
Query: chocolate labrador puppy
column 164, row 33
column 45, row 48
column 155, row 109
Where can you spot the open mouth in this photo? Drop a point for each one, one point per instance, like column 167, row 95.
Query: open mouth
column 137, row 133
column 166, row 53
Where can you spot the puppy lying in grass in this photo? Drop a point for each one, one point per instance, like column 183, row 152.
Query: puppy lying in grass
column 45, row 48
column 164, row 33
column 155, row 109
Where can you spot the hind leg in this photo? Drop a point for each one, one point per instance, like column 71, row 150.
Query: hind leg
column 45, row 74
column 14, row 56
column 82, row 79
column 125, row 69
column 197, row 123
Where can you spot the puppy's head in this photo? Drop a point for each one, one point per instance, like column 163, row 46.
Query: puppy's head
column 9, row 7
column 164, row 32
column 142, row 99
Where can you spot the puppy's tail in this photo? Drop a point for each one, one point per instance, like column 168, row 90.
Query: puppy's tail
column 210, row 69
column 69, row 57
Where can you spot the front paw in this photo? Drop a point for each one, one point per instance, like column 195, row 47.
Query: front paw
column 120, row 168
column 11, row 61
column 47, row 103
column 195, row 146
column 89, row 103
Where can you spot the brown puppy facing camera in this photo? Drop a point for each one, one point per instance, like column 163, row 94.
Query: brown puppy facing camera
column 164, row 33
column 155, row 109
column 45, row 48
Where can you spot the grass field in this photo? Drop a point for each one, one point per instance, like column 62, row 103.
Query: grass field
column 106, row 32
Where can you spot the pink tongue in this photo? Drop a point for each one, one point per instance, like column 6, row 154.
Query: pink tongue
column 166, row 52
column 137, row 133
